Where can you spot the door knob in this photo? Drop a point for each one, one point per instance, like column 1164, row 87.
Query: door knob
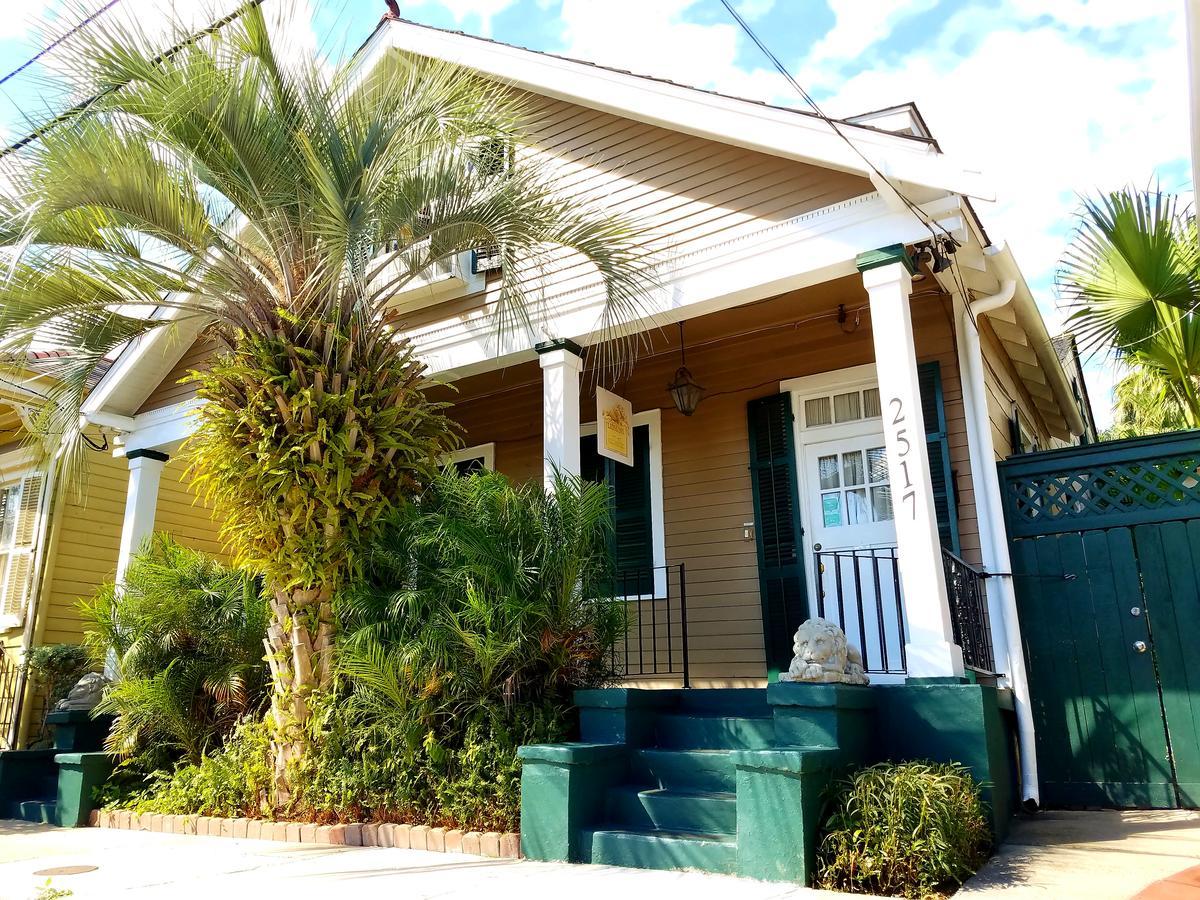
column 1139, row 646
column 1136, row 611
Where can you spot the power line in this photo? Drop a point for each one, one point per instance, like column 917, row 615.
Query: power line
column 29, row 62
column 929, row 223
column 78, row 108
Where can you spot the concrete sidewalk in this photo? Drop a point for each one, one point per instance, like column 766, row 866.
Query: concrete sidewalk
column 132, row 864
column 1094, row 855
column 1089, row 855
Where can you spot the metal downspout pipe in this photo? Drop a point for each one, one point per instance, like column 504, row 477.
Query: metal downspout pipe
column 1002, row 601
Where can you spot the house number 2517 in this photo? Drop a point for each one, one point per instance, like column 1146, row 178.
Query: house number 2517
column 908, row 489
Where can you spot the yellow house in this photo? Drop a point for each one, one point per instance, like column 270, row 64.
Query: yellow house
column 58, row 541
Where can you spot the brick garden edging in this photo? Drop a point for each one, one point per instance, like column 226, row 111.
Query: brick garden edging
column 490, row 844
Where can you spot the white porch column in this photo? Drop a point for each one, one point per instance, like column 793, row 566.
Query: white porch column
column 930, row 651
column 561, row 363
column 141, row 499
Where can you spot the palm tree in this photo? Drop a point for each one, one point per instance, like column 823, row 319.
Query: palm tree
column 1132, row 279
column 1145, row 402
column 284, row 203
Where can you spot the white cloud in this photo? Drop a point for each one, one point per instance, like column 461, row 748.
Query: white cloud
column 1047, row 117
column 485, row 10
column 858, row 25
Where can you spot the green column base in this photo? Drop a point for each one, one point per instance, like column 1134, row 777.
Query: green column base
column 563, row 789
column 839, row 716
column 780, row 794
column 78, row 774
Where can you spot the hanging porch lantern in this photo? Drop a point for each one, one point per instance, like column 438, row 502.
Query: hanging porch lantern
column 684, row 390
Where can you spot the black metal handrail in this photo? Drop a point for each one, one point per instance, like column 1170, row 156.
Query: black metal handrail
column 969, row 612
column 656, row 639
column 860, row 591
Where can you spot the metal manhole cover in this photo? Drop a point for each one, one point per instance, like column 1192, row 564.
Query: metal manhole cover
column 66, row 870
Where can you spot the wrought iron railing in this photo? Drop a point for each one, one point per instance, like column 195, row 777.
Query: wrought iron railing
column 656, row 638
column 969, row 612
column 860, row 591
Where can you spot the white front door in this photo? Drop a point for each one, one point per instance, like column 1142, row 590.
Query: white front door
column 852, row 534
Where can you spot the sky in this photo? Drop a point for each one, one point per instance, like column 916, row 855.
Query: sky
column 1051, row 101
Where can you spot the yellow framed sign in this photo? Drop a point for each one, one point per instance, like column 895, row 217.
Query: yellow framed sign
column 614, row 427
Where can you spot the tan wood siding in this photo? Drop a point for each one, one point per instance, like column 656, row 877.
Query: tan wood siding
column 689, row 194
column 737, row 355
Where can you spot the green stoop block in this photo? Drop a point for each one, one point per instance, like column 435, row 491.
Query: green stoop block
column 779, row 798
column 971, row 724
column 563, row 790
column 78, row 774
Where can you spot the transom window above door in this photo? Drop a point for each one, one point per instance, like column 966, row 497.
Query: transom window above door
column 855, row 489
column 837, row 408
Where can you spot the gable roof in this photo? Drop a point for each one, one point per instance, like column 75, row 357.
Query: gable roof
column 775, row 130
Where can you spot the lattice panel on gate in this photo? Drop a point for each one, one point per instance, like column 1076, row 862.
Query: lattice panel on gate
column 1086, row 490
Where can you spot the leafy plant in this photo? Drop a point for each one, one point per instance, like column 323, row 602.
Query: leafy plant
column 186, row 637
column 908, row 829
column 55, row 668
column 1132, row 282
column 1146, row 402
column 283, row 203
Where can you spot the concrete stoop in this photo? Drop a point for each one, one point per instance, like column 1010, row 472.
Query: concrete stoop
column 734, row 781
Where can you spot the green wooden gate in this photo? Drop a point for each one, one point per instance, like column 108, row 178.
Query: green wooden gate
column 1105, row 546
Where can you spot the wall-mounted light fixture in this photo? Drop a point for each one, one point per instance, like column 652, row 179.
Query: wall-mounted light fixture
column 684, row 390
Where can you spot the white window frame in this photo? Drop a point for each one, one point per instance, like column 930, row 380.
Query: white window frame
column 484, row 452
column 652, row 418
column 11, row 552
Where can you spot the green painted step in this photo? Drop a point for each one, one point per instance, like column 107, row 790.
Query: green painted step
column 655, row 849
column 707, row 812
column 685, row 770
column 738, row 702
column 686, row 731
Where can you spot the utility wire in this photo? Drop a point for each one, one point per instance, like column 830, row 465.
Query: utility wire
column 933, row 226
column 29, row 62
column 78, row 108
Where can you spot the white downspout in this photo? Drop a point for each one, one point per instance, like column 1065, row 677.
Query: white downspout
column 1002, row 601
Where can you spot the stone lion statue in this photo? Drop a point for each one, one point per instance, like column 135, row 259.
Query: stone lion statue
column 822, row 654
column 86, row 694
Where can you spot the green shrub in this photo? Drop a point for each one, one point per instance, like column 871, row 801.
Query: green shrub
column 186, row 636
column 232, row 782
column 904, row 829
column 55, row 668
column 478, row 620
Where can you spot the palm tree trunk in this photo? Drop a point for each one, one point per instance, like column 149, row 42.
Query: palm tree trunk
column 299, row 646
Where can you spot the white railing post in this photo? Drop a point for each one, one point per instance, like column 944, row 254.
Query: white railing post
column 561, row 363
column 930, row 651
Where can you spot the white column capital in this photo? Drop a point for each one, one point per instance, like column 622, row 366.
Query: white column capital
column 884, row 276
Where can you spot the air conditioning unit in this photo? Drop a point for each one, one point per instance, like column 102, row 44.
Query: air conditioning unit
column 445, row 279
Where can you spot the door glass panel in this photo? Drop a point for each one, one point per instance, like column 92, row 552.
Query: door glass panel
column 831, row 510
column 852, row 468
column 827, row 470
column 847, row 407
column 877, row 468
column 871, row 408
column 881, row 503
column 857, row 511
column 816, row 412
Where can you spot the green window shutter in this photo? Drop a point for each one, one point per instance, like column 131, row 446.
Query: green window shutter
column 633, row 528
column 934, row 412
column 777, row 526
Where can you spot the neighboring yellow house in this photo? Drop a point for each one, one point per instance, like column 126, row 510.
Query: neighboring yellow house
column 59, row 542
